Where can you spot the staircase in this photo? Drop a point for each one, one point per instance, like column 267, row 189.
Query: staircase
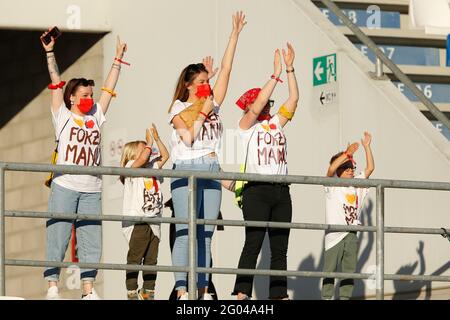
column 422, row 57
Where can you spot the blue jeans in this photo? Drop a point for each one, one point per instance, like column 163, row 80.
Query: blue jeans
column 209, row 195
column 89, row 233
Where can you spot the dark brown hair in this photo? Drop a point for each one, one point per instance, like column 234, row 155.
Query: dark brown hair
column 72, row 87
column 346, row 165
column 186, row 77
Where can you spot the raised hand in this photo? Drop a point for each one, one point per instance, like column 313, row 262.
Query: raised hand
column 154, row 132
column 277, row 63
column 288, row 56
column 50, row 46
column 148, row 137
column 208, row 62
column 367, row 139
column 238, row 22
column 121, row 48
column 351, row 149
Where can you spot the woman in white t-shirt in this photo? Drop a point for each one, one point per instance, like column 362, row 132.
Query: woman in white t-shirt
column 265, row 145
column 77, row 121
column 195, row 141
column 343, row 206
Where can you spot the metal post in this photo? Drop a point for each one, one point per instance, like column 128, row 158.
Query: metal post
column 192, row 209
column 2, row 233
column 379, row 68
column 380, row 244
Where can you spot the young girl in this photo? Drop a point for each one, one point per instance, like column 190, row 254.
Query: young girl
column 142, row 197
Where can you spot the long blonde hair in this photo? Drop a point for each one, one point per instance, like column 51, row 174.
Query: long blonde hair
column 130, row 152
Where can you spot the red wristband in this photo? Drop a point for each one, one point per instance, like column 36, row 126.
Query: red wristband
column 349, row 157
column 276, row 78
column 121, row 61
column 60, row 85
column 203, row 114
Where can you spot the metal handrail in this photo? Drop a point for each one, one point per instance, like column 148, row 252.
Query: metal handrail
column 401, row 76
column 192, row 221
column 295, row 179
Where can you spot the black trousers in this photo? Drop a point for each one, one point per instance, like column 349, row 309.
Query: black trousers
column 265, row 202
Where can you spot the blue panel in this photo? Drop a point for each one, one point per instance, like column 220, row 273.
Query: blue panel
column 443, row 129
column 417, row 56
column 436, row 92
column 362, row 18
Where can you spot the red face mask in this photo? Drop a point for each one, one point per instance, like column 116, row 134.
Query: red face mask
column 203, row 90
column 85, row 105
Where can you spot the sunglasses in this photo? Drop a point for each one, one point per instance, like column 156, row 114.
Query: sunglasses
column 347, row 166
column 84, row 82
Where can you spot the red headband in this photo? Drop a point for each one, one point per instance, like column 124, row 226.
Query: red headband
column 248, row 98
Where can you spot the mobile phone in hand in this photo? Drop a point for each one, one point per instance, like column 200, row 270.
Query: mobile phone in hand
column 54, row 32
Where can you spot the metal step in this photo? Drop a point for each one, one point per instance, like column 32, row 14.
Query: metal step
column 401, row 6
column 406, row 37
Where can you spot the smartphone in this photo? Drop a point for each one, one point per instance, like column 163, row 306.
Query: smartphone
column 55, row 33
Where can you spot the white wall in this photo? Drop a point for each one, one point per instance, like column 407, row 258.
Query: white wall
column 405, row 145
column 165, row 36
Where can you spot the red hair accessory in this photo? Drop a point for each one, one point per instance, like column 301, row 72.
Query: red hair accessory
column 60, row 85
column 248, row 98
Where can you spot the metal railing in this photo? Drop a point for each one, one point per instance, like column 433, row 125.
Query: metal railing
column 382, row 58
column 192, row 221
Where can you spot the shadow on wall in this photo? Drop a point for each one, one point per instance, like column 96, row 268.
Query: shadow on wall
column 413, row 288
column 310, row 288
column 24, row 73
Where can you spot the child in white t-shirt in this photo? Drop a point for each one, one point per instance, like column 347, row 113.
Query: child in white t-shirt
column 343, row 206
column 142, row 197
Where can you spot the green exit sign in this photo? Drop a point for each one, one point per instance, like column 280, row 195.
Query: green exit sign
column 324, row 70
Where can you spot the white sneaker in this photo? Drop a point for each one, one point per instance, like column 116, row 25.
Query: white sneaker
column 53, row 293
column 206, row 296
column 91, row 296
column 184, row 296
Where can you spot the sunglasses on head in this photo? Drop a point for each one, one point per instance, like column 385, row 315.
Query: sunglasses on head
column 84, row 82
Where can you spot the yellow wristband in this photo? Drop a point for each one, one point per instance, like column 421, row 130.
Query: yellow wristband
column 285, row 113
column 112, row 93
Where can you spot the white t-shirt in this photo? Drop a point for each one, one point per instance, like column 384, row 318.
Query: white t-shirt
column 267, row 152
column 207, row 141
column 79, row 144
column 343, row 206
column 142, row 197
